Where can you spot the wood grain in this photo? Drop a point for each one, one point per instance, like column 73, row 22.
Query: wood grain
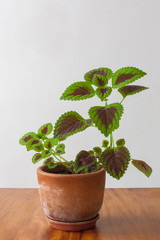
column 126, row 214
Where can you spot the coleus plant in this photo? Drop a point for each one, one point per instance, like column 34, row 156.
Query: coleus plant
column 114, row 158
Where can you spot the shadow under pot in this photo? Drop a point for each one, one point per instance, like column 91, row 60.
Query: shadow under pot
column 71, row 202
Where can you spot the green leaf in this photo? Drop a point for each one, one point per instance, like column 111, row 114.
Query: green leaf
column 50, row 163
column 31, row 143
column 97, row 151
column 68, row 124
column 105, row 143
column 50, row 142
column 83, row 160
column 143, row 167
column 37, row 157
column 60, row 149
column 47, row 160
column 103, row 93
column 38, row 147
column 126, row 75
column 105, row 72
column 107, row 118
column 78, row 91
column 91, row 152
column 131, row 90
column 46, row 129
column 25, row 139
column 120, row 142
column 115, row 161
column 46, row 153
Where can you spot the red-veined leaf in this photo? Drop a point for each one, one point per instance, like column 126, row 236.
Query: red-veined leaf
column 60, row 149
column 97, row 151
column 68, row 124
column 83, row 160
column 46, row 153
column 78, row 91
column 143, row 167
column 50, row 142
column 31, row 143
column 37, row 157
column 115, row 161
column 105, row 143
column 93, row 168
column 107, row 118
column 126, row 75
column 131, row 90
column 120, row 142
column 26, row 138
column 47, row 160
column 106, row 72
column 103, row 93
column 38, row 147
column 50, row 163
column 46, row 129
column 99, row 80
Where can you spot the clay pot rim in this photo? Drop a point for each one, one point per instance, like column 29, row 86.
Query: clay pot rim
column 40, row 171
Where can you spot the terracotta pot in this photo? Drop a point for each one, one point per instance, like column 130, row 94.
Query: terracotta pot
column 71, row 197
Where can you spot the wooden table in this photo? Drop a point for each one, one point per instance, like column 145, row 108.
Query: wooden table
column 126, row 214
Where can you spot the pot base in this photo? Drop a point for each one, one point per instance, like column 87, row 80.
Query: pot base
column 73, row 226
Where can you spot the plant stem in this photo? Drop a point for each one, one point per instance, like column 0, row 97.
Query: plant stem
column 111, row 140
column 122, row 100
column 62, row 161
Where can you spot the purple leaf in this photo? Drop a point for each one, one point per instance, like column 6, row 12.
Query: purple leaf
column 83, row 160
column 106, row 118
column 92, row 168
column 78, row 91
column 99, row 80
column 103, row 93
column 68, row 124
column 115, row 161
column 104, row 73
column 131, row 89
column 125, row 76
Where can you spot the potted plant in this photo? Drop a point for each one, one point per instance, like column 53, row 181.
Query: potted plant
column 71, row 192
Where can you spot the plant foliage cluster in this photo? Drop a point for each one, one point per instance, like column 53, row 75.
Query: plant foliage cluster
column 114, row 158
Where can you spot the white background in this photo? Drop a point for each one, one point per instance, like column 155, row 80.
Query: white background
column 46, row 45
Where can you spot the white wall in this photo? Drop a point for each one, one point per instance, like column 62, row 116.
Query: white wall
column 45, row 45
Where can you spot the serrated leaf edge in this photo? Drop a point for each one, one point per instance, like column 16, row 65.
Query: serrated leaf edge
column 126, row 82
column 77, row 130
column 78, row 97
